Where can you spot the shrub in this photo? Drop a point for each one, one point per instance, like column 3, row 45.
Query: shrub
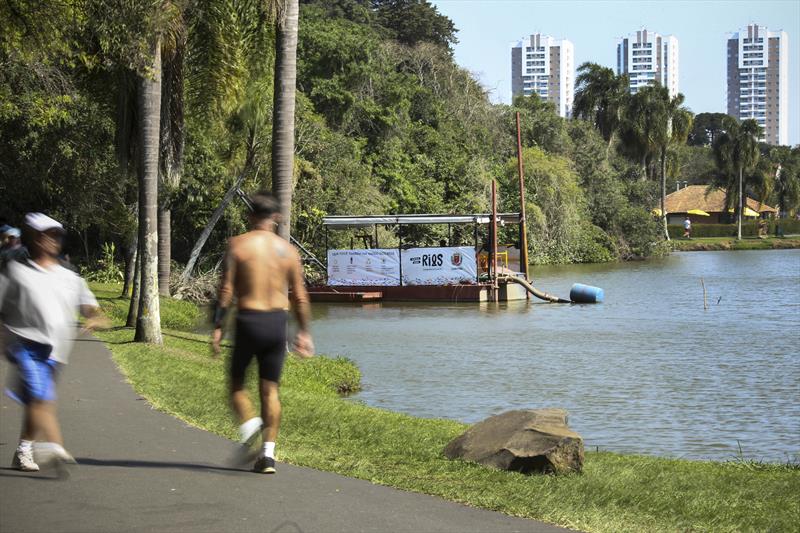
column 107, row 271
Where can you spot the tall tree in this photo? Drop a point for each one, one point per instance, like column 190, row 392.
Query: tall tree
column 172, row 139
column 736, row 153
column 705, row 128
column 673, row 128
column 415, row 21
column 600, row 97
column 130, row 36
column 283, row 112
column 125, row 148
column 786, row 170
column 639, row 130
column 148, row 322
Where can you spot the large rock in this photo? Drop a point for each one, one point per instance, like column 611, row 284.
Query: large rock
column 528, row 441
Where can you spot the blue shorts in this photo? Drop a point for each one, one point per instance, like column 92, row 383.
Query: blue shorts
column 36, row 372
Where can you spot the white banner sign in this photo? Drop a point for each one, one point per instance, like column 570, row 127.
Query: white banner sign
column 439, row 266
column 364, row 267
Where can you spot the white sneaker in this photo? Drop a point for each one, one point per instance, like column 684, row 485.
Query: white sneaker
column 24, row 461
column 249, row 446
column 49, row 453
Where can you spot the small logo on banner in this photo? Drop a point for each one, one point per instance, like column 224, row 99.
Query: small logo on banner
column 456, row 259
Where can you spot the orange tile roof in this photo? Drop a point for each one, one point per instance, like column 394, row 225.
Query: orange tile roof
column 695, row 197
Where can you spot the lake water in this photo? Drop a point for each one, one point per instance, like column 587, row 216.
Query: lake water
column 649, row 371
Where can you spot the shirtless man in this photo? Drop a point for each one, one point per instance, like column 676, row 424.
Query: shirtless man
column 259, row 269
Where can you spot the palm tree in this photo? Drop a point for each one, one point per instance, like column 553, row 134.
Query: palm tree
column 148, row 321
column 172, row 137
column 638, row 128
column 131, row 34
column 672, row 129
column 599, row 98
column 283, row 112
column 786, row 178
column 736, row 153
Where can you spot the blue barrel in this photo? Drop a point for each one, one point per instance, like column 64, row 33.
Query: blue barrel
column 585, row 294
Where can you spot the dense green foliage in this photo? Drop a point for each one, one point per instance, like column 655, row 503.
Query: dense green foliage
column 321, row 430
column 706, row 128
column 386, row 122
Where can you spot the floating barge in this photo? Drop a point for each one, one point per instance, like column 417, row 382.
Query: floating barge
column 408, row 273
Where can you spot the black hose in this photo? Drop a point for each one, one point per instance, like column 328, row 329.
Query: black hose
column 547, row 297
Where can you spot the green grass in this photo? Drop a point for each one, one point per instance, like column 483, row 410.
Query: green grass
column 729, row 243
column 322, row 430
column 175, row 314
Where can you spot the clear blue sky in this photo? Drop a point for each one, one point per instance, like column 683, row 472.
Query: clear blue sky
column 488, row 27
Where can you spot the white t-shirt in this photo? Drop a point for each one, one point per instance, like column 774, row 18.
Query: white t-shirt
column 687, row 224
column 41, row 305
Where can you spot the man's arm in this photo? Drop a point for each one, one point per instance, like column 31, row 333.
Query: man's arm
column 303, row 343
column 90, row 309
column 225, row 291
column 300, row 301
column 224, row 299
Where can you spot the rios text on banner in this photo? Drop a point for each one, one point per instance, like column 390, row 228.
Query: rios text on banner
column 364, row 267
column 439, row 266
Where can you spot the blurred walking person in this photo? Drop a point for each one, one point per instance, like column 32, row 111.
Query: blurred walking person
column 12, row 249
column 260, row 268
column 39, row 304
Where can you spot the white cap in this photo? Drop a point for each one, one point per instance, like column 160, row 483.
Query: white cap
column 42, row 222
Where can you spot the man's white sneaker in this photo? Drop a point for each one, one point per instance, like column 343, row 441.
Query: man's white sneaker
column 249, row 446
column 24, row 461
column 49, row 453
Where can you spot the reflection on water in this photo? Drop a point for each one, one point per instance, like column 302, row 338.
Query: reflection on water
column 649, row 371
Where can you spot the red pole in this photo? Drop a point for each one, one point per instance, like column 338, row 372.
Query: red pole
column 494, row 239
column 523, row 232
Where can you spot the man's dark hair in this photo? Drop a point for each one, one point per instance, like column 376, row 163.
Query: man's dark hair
column 264, row 204
column 28, row 236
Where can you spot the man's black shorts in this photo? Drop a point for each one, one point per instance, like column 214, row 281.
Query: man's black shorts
column 260, row 334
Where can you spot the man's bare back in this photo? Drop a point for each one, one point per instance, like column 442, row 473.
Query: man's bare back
column 260, row 267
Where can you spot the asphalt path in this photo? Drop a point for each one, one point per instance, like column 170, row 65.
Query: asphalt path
column 143, row 470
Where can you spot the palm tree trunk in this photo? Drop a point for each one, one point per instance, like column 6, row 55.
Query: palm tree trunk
column 130, row 255
column 133, row 308
column 201, row 241
column 171, row 146
column 148, row 322
column 164, row 249
column 664, row 192
column 283, row 114
column 644, row 169
column 741, row 209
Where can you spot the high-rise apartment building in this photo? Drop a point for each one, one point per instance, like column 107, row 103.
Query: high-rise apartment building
column 546, row 66
column 648, row 58
column 758, row 80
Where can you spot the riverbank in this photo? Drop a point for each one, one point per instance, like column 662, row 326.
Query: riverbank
column 705, row 244
column 324, row 431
